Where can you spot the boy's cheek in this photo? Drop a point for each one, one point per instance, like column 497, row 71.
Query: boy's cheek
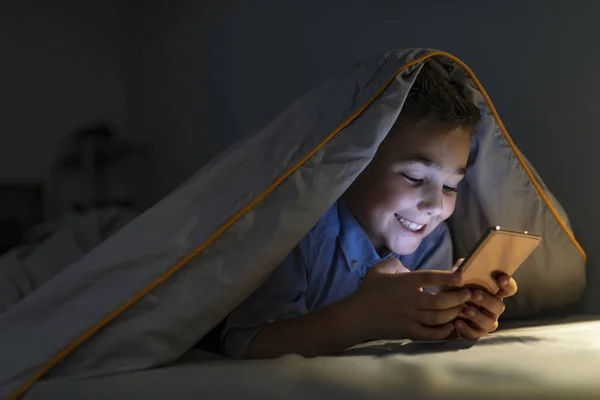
column 449, row 206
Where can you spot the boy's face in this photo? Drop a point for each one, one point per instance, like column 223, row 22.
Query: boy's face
column 410, row 187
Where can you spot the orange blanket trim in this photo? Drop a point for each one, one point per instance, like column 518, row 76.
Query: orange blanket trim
column 94, row 329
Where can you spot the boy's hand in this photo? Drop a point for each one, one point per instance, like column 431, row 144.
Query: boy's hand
column 390, row 303
column 485, row 310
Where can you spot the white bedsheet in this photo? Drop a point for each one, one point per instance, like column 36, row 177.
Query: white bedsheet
column 544, row 362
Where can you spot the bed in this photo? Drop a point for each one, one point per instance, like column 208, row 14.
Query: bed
column 548, row 360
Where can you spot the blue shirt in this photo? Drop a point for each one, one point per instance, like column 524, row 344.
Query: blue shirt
column 326, row 266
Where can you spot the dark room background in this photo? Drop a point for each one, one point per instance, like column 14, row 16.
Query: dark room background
column 184, row 78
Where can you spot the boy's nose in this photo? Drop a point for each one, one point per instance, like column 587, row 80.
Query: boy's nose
column 431, row 205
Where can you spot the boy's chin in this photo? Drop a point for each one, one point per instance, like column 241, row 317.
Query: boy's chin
column 406, row 248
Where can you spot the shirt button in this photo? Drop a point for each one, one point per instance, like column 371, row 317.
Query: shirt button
column 354, row 263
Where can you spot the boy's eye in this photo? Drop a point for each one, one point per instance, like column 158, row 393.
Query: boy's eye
column 411, row 180
column 449, row 189
column 415, row 182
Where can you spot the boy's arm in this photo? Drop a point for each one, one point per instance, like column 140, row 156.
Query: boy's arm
column 329, row 330
column 386, row 305
column 274, row 320
column 280, row 297
column 249, row 332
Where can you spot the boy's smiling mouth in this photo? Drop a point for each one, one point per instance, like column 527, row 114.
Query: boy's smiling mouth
column 411, row 226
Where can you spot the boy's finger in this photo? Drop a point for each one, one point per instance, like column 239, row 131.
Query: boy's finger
column 468, row 332
column 438, row 317
column 458, row 264
column 508, row 286
column 434, row 278
column 482, row 320
column 421, row 332
column 443, row 300
column 491, row 303
column 391, row 266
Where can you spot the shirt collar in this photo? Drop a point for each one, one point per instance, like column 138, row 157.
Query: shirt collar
column 356, row 246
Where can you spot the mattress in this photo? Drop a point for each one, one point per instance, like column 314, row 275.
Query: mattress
column 548, row 361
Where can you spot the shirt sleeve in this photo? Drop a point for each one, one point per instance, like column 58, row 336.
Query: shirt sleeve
column 434, row 253
column 281, row 296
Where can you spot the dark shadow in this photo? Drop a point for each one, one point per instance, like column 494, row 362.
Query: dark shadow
column 211, row 342
column 416, row 348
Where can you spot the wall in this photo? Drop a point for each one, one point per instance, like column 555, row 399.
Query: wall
column 188, row 78
column 174, row 70
column 212, row 73
column 61, row 66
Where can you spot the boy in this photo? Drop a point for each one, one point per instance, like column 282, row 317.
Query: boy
column 346, row 281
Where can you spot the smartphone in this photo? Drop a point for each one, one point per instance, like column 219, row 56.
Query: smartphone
column 499, row 251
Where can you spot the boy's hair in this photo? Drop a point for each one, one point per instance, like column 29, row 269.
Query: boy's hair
column 435, row 101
